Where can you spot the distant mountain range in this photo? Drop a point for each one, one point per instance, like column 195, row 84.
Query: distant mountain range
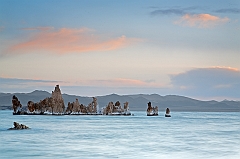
column 136, row 102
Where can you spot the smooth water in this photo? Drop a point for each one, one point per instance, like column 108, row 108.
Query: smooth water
column 184, row 135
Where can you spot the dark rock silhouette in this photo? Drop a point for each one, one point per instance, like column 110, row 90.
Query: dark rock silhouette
column 18, row 126
column 16, row 105
column 167, row 114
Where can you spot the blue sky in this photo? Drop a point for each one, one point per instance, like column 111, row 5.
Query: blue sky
column 91, row 48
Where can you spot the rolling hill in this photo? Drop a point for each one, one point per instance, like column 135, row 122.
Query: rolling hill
column 136, row 102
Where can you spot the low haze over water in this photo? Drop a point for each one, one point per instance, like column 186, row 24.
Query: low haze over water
column 184, row 135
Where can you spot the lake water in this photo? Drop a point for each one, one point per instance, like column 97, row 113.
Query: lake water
column 184, row 135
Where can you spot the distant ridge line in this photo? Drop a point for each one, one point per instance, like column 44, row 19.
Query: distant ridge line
column 137, row 102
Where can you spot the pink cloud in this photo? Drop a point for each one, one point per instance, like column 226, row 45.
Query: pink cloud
column 226, row 68
column 67, row 40
column 201, row 20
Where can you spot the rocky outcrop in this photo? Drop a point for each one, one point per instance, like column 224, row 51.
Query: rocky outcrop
column 126, row 107
column 77, row 108
column 54, row 104
column 58, row 102
column 16, row 105
column 94, row 105
column 112, row 109
column 40, row 107
column 167, row 114
column 18, row 126
column 152, row 111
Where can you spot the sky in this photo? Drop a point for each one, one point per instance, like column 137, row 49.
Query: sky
column 99, row 47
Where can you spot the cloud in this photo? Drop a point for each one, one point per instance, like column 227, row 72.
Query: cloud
column 201, row 20
column 67, row 40
column 225, row 68
column 172, row 11
column 168, row 12
column 201, row 83
column 229, row 10
column 208, row 82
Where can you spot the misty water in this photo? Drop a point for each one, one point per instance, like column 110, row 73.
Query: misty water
column 184, row 135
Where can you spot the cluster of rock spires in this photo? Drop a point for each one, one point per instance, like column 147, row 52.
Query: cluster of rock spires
column 77, row 108
column 18, row 126
column 112, row 109
column 55, row 105
column 152, row 111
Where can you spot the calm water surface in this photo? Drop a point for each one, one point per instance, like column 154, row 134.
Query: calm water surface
column 184, row 135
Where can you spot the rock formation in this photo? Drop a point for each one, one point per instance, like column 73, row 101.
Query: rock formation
column 54, row 104
column 94, row 105
column 18, row 126
column 152, row 111
column 155, row 110
column 126, row 107
column 58, row 102
column 112, row 109
column 77, row 108
column 167, row 114
column 16, row 105
column 69, row 109
column 31, row 106
column 47, row 105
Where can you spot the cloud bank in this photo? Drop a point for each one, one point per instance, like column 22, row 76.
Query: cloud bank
column 216, row 83
column 209, row 82
column 190, row 18
column 67, row 40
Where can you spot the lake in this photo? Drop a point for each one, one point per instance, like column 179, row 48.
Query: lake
column 184, row 135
